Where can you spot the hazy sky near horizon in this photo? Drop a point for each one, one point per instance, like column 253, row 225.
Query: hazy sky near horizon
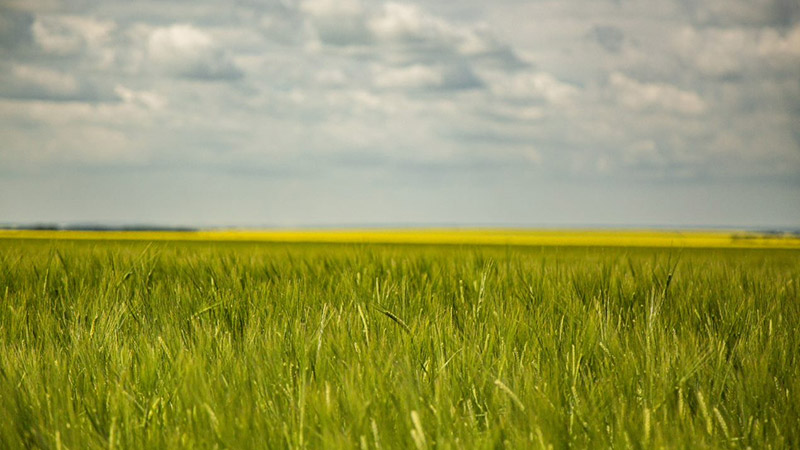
column 326, row 112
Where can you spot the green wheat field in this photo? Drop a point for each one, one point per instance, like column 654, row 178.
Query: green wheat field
column 138, row 345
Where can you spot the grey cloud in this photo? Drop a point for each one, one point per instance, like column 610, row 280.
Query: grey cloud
column 786, row 12
column 283, row 25
column 501, row 56
column 609, row 37
column 456, row 76
column 339, row 23
column 404, row 29
column 461, row 76
column 15, row 29
column 731, row 13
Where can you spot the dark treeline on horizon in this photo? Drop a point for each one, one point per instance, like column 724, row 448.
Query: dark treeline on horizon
column 94, row 227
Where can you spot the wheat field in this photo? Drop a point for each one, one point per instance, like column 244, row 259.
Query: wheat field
column 198, row 343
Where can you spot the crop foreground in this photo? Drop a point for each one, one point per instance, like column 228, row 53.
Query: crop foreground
column 173, row 344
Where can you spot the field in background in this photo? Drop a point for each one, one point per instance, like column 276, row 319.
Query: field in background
column 148, row 343
column 516, row 237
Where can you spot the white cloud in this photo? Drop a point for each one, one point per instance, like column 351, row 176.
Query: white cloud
column 781, row 47
column 410, row 25
column 640, row 96
column 185, row 51
column 67, row 35
column 721, row 52
column 534, row 85
column 50, row 82
column 415, row 76
column 643, row 152
column 147, row 99
column 34, row 82
column 331, row 77
column 715, row 53
column 77, row 133
column 405, row 22
column 421, row 76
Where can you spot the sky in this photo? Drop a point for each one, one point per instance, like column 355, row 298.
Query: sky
column 535, row 113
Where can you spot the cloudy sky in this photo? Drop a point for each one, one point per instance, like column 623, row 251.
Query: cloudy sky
column 348, row 112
